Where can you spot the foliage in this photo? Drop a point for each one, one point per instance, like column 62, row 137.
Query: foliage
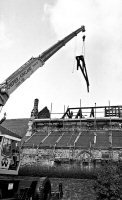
column 107, row 185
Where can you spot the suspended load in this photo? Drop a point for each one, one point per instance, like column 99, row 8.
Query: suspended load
column 81, row 63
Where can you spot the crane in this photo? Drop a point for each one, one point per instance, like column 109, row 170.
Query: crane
column 13, row 186
column 9, row 85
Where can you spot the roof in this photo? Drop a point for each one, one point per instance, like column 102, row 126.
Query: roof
column 5, row 131
column 17, row 126
column 70, row 138
column 44, row 113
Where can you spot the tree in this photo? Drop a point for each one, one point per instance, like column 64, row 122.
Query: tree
column 107, row 184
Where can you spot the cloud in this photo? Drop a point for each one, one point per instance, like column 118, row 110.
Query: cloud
column 97, row 15
column 62, row 16
column 5, row 40
column 102, row 20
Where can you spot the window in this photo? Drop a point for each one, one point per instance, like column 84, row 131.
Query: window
column 6, row 150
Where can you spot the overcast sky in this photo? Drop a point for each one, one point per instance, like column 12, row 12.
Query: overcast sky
column 29, row 27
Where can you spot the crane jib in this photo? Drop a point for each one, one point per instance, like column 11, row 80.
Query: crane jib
column 26, row 70
column 21, row 77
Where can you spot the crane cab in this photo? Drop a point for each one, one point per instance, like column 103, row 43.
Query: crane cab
column 9, row 154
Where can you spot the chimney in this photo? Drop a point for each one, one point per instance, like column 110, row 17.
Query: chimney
column 34, row 112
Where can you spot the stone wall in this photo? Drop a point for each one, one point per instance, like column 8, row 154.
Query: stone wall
column 77, row 154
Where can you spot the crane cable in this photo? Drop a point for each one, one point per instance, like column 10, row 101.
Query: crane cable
column 83, row 50
column 74, row 60
column 81, row 63
column 83, row 46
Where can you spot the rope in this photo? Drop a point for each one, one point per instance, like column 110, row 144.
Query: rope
column 83, row 47
column 74, row 61
column 83, row 50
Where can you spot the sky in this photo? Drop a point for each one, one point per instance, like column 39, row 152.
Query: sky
column 29, row 27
